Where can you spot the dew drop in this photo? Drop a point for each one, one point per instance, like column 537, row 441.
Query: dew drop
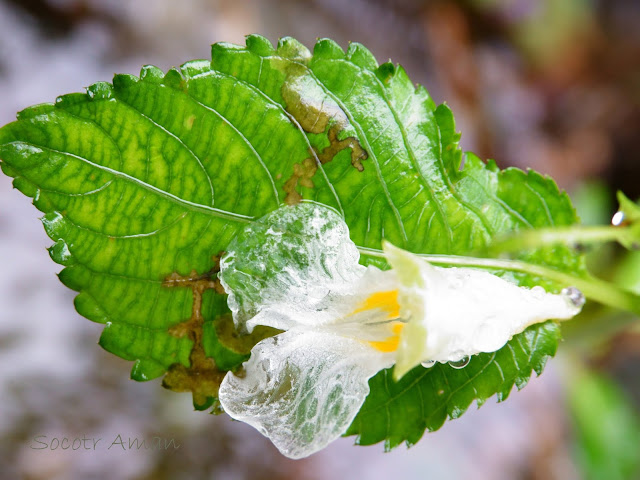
column 428, row 363
column 463, row 362
column 575, row 296
column 617, row 219
column 538, row 292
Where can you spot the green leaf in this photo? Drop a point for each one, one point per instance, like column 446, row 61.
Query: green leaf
column 627, row 221
column 629, row 210
column 606, row 428
column 145, row 181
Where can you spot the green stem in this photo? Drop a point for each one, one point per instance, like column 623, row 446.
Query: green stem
column 574, row 236
column 593, row 288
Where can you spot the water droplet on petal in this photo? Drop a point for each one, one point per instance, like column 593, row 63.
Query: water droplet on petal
column 428, row 363
column 538, row 292
column 463, row 362
column 575, row 296
column 617, row 219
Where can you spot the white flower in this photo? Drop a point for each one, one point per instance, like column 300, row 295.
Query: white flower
column 297, row 270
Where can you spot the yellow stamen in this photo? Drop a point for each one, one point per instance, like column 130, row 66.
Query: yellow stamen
column 385, row 301
column 396, row 328
column 390, row 344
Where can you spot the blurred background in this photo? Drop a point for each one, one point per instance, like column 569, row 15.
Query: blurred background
column 549, row 84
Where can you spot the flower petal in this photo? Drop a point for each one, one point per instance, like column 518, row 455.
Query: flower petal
column 457, row 312
column 302, row 389
column 286, row 264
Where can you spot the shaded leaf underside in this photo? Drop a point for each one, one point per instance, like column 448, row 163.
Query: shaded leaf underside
column 153, row 176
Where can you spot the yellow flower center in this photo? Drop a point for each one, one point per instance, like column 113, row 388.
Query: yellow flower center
column 385, row 301
column 388, row 303
column 390, row 344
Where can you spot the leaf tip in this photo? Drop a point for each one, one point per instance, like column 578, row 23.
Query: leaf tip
column 70, row 279
column 328, row 49
column 259, row 45
column 292, row 49
column 492, row 165
column 361, row 56
column 53, row 223
column 151, row 74
column 87, row 306
column 100, row 91
column 174, row 79
column 122, row 81
column 25, row 186
column 146, row 369
column 60, row 253
column 195, row 67
column 385, row 72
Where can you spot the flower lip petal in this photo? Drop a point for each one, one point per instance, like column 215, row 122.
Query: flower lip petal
column 308, row 255
column 302, row 389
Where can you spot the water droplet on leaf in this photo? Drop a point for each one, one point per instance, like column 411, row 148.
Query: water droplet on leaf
column 463, row 362
column 428, row 363
column 575, row 296
column 617, row 219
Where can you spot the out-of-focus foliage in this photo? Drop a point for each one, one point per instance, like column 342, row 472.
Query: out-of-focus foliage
column 606, row 428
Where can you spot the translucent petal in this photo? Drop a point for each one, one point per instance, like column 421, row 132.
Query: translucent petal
column 358, row 311
column 286, row 264
column 457, row 312
column 302, row 389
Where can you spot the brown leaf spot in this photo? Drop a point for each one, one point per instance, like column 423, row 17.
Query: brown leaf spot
column 202, row 377
column 357, row 152
column 307, row 103
column 304, row 171
column 230, row 338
